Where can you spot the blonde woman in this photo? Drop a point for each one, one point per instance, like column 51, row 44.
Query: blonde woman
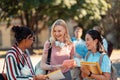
column 62, row 49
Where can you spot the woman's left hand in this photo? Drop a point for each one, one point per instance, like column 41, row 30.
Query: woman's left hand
column 85, row 71
column 41, row 77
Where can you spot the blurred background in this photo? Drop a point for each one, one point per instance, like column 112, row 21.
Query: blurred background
column 40, row 14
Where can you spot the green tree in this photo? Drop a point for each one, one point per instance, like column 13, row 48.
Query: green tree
column 85, row 12
column 111, row 23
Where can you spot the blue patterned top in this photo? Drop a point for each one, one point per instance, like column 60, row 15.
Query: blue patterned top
column 105, row 44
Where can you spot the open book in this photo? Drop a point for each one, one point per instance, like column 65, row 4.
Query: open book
column 94, row 67
column 56, row 75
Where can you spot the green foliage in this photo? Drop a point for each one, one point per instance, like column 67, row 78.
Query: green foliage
column 86, row 12
column 111, row 23
column 90, row 12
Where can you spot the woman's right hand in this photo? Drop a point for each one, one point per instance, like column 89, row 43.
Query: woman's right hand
column 40, row 77
column 69, row 63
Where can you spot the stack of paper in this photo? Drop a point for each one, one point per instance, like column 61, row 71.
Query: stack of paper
column 56, row 75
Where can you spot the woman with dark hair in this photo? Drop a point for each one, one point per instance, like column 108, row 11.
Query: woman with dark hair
column 105, row 43
column 18, row 63
column 94, row 45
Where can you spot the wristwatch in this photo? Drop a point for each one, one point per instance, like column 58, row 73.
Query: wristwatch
column 90, row 74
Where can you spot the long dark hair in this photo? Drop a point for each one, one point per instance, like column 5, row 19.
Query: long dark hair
column 96, row 35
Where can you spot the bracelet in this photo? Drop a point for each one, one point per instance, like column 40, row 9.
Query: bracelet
column 90, row 74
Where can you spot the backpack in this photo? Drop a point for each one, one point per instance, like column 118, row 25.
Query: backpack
column 113, row 75
column 110, row 48
column 38, row 69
